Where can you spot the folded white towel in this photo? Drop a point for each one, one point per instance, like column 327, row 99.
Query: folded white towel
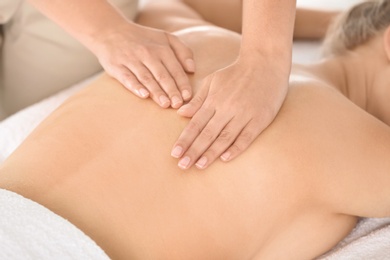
column 369, row 240
column 30, row 231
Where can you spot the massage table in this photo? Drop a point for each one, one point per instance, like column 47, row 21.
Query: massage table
column 30, row 231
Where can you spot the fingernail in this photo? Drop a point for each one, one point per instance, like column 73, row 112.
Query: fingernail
column 183, row 163
column 225, row 157
column 177, row 151
column 143, row 93
column 190, row 64
column 182, row 109
column 186, row 94
column 176, row 101
column 164, row 101
column 202, row 162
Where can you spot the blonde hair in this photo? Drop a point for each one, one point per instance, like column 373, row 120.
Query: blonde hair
column 357, row 26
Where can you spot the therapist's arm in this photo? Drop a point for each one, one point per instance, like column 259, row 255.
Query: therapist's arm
column 148, row 62
column 267, row 30
column 237, row 103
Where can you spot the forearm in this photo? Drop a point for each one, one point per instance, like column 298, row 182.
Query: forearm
column 268, row 27
column 312, row 24
column 85, row 20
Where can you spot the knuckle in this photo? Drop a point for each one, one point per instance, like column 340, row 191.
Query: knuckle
column 126, row 80
column 208, row 134
column 208, row 107
column 146, row 78
column 242, row 142
column 194, row 127
column 163, row 77
column 124, row 75
column 246, row 138
column 225, row 135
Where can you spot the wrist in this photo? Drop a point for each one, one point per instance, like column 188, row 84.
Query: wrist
column 264, row 49
column 111, row 32
column 276, row 59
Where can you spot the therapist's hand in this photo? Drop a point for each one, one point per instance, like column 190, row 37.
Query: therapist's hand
column 148, row 62
column 231, row 109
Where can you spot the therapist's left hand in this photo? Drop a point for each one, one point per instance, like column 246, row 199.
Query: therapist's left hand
column 231, row 109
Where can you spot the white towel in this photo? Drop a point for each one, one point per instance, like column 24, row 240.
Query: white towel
column 370, row 239
column 30, row 231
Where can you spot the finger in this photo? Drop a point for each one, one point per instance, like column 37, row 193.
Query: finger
column 224, row 140
column 245, row 138
column 183, row 53
column 130, row 81
column 165, row 80
column 191, row 131
column 179, row 76
column 197, row 101
column 146, row 78
column 204, row 140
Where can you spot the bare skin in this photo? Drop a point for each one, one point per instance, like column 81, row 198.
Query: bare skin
column 200, row 143
column 294, row 194
column 152, row 63
column 266, row 46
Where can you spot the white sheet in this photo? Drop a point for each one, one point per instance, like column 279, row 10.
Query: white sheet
column 31, row 231
column 369, row 240
column 327, row 4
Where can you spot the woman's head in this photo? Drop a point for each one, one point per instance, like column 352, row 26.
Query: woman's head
column 357, row 26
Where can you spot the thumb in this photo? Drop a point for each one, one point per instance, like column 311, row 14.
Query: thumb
column 197, row 101
column 183, row 53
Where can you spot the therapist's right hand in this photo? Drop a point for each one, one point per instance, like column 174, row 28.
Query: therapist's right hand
column 148, row 62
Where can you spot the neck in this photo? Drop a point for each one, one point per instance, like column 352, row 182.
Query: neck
column 353, row 74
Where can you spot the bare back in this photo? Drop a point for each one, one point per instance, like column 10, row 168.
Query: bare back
column 102, row 160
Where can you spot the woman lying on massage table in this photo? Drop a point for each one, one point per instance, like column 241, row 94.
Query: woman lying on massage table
column 294, row 194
